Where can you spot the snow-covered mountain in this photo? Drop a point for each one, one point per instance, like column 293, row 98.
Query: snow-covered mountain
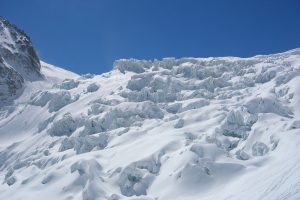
column 171, row 129
column 18, row 61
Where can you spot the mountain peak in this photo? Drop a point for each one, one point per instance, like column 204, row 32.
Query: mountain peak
column 18, row 60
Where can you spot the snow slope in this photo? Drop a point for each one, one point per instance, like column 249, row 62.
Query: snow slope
column 171, row 129
column 193, row 128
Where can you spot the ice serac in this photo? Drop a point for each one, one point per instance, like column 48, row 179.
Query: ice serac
column 18, row 60
column 170, row 129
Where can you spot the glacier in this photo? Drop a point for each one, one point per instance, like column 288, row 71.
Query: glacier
column 170, row 129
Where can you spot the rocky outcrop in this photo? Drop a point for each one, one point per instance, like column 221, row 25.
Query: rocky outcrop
column 18, row 61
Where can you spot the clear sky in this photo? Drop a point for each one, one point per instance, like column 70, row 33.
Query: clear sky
column 88, row 35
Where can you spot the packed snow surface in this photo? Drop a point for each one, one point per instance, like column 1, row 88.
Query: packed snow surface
column 171, row 129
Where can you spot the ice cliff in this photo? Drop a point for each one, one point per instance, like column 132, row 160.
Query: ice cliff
column 180, row 129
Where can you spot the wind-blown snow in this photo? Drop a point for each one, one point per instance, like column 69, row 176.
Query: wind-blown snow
column 190, row 128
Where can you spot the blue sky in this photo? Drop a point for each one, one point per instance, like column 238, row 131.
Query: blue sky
column 86, row 36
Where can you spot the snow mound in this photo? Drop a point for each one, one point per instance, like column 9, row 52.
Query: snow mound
column 67, row 84
column 65, row 126
column 54, row 100
column 267, row 105
column 84, row 144
column 238, row 123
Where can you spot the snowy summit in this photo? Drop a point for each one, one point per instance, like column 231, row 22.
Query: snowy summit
column 171, row 129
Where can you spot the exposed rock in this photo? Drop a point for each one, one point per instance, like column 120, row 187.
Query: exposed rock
column 18, row 61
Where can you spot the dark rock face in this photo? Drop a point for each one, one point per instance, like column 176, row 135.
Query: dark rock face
column 10, row 82
column 18, row 61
